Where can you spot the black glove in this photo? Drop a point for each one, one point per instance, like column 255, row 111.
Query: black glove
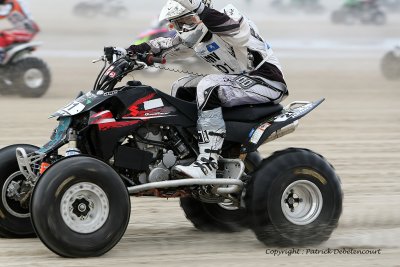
column 133, row 50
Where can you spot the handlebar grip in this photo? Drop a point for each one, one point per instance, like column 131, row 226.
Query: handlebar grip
column 150, row 60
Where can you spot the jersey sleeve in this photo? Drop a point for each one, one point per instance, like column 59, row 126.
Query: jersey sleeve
column 219, row 23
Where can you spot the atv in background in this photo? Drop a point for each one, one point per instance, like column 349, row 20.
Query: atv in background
column 23, row 74
column 365, row 12
column 390, row 64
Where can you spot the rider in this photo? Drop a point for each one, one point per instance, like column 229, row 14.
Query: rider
column 24, row 28
column 231, row 43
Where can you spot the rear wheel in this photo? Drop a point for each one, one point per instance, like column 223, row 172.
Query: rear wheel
column 14, row 217
column 294, row 199
column 31, row 77
column 219, row 217
column 80, row 207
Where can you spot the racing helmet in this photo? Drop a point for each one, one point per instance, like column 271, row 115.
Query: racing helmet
column 187, row 23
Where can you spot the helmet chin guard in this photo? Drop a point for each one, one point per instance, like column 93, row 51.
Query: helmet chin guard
column 191, row 35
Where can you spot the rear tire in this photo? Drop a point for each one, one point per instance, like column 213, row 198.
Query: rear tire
column 14, row 219
column 80, row 207
column 294, row 199
column 31, row 77
column 219, row 217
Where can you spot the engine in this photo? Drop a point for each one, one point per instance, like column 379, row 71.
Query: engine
column 167, row 149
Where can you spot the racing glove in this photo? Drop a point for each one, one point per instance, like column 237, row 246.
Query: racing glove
column 133, row 50
column 196, row 6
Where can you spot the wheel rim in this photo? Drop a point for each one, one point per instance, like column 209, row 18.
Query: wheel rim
column 33, row 78
column 228, row 205
column 301, row 202
column 84, row 207
column 13, row 206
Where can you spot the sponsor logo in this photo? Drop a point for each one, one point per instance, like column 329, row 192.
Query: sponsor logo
column 212, row 47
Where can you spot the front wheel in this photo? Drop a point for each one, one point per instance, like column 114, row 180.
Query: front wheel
column 80, row 207
column 31, row 77
column 294, row 199
column 14, row 202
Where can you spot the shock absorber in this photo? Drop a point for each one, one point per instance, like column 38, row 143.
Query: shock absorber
column 178, row 144
column 72, row 144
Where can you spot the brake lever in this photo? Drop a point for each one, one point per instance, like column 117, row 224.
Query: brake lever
column 102, row 58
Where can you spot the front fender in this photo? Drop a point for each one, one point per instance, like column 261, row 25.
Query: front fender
column 59, row 137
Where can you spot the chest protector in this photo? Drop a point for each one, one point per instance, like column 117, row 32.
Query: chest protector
column 221, row 55
column 230, row 55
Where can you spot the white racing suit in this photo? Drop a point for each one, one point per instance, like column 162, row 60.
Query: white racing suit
column 251, row 74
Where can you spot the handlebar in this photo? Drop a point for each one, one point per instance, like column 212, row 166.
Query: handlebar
column 150, row 59
column 113, row 53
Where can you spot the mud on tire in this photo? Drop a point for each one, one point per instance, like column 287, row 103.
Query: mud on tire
column 294, row 199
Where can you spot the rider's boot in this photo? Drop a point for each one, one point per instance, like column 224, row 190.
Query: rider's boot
column 211, row 130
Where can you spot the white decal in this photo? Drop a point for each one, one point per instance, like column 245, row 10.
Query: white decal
column 72, row 109
column 155, row 103
column 258, row 133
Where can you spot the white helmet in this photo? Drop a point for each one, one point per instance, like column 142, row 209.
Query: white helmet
column 187, row 24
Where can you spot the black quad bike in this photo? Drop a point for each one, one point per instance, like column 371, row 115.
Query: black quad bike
column 23, row 74
column 124, row 141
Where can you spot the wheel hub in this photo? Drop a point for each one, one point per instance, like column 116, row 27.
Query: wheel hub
column 84, row 207
column 81, row 207
column 33, row 78
column 301, row 202
column 12, row 196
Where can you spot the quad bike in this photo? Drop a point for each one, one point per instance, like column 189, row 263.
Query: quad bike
column 390, row 5
column 390, row 64
column 23, row 74
column 93, row 8
column 125, row 141
column 365, row 13
column 307, row 6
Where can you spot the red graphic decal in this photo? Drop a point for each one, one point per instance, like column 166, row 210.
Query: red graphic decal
column 117, row 124
column 134, row 108
column 98, row 117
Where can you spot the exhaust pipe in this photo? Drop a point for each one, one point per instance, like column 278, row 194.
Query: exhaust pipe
column 283, row 131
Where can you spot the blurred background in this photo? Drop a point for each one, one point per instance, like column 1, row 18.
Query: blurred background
column 327, row 48
column 296, row 29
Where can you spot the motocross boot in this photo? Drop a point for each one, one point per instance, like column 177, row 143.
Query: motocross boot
column 211, row 130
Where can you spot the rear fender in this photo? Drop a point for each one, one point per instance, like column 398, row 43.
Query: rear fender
column 277, row 126
column 17, row 51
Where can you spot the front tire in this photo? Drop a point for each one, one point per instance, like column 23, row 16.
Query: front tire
column 14, row 219
column 80, row 207
column 294, row 199
column 31, row 77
